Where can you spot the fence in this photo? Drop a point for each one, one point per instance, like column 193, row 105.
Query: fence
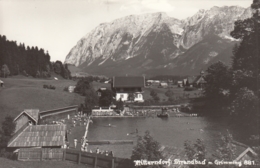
column 96, row 160
column 102, row 112
column 38, row 154
column 56, row 114
column 92, row 159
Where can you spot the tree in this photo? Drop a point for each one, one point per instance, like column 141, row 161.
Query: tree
column 244, row 109
column 81, row 86
column 246, row 71
column 106, row 98
column 131, row 97
column 195, row 151
column 58, row 67
column 120, row 105
column 226, row 149
column 8, row 128
column 91, row 100
column 155, row 96
column 169, row 93
column 218, row 86
column 147, row 149
column 5, row 71
column 246, row 59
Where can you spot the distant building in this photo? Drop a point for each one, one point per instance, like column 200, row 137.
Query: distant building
column 180, row 83
column 71, row 88
column 30, row 116
column 153, row 82
column 195, row 81
column 81, row 75
column 164, row 84
column 200, row 81
column 128, row 85
column 243, row 152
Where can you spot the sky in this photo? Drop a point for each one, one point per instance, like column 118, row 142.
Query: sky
column 57, row 25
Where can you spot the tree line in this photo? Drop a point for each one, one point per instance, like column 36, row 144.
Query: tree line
column 30, row 61
column 235, row 90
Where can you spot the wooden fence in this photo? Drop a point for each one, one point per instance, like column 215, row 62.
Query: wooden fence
column 91, row 159
column 96, row 160
column 46, row 117
column 38, row 154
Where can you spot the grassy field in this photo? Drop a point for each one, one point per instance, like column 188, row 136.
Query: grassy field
column 6, row 163
column 21, row 93
column 178, row 92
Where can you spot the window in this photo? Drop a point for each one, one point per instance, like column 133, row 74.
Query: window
column 121, row 96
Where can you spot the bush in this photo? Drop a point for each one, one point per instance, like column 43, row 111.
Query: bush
column 190, row 88
column 66, row 89
column 49, row 87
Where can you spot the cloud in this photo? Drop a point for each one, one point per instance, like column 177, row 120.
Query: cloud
column 141, row 6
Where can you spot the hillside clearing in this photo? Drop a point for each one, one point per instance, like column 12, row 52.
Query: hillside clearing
column 22, row 93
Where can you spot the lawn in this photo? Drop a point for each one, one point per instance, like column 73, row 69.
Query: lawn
column 22, row 93
column 178, row 92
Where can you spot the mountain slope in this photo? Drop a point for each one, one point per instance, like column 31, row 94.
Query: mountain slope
column 156, row 43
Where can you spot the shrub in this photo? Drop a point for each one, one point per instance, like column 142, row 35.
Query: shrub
column 190, row 88
column 66, row 89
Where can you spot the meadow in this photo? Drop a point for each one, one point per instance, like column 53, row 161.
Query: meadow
column 21, row 93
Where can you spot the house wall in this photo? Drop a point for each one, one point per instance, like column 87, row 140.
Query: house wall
column 124, row 97
column 23, row 119
column 139, row 98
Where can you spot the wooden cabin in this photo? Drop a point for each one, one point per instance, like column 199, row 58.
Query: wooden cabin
column 30, row 116
column 43, row 136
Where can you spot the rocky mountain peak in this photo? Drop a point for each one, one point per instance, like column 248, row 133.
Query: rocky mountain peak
column 153, row 38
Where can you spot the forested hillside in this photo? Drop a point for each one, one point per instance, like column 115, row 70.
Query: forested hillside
column 29, row 61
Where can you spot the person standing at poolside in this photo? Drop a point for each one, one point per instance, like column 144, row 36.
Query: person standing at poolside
column 75, row 142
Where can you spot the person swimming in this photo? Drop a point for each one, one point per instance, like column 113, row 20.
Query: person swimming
column 109, row 125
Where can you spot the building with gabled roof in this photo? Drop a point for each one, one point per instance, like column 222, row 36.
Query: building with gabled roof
column 27, row 116
column 123, row 86
column 243, row 152
column 39, row 136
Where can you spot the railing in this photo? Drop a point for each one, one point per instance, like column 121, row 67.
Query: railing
column 57, row 111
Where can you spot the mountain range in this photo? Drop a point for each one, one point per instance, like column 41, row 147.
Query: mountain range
column 156, row 44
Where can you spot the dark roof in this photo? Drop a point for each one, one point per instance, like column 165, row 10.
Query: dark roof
column 242, row 149
column 128, row 81
column 39, row 135
column 199, row 79
column 32, row 113
column 173, row 153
